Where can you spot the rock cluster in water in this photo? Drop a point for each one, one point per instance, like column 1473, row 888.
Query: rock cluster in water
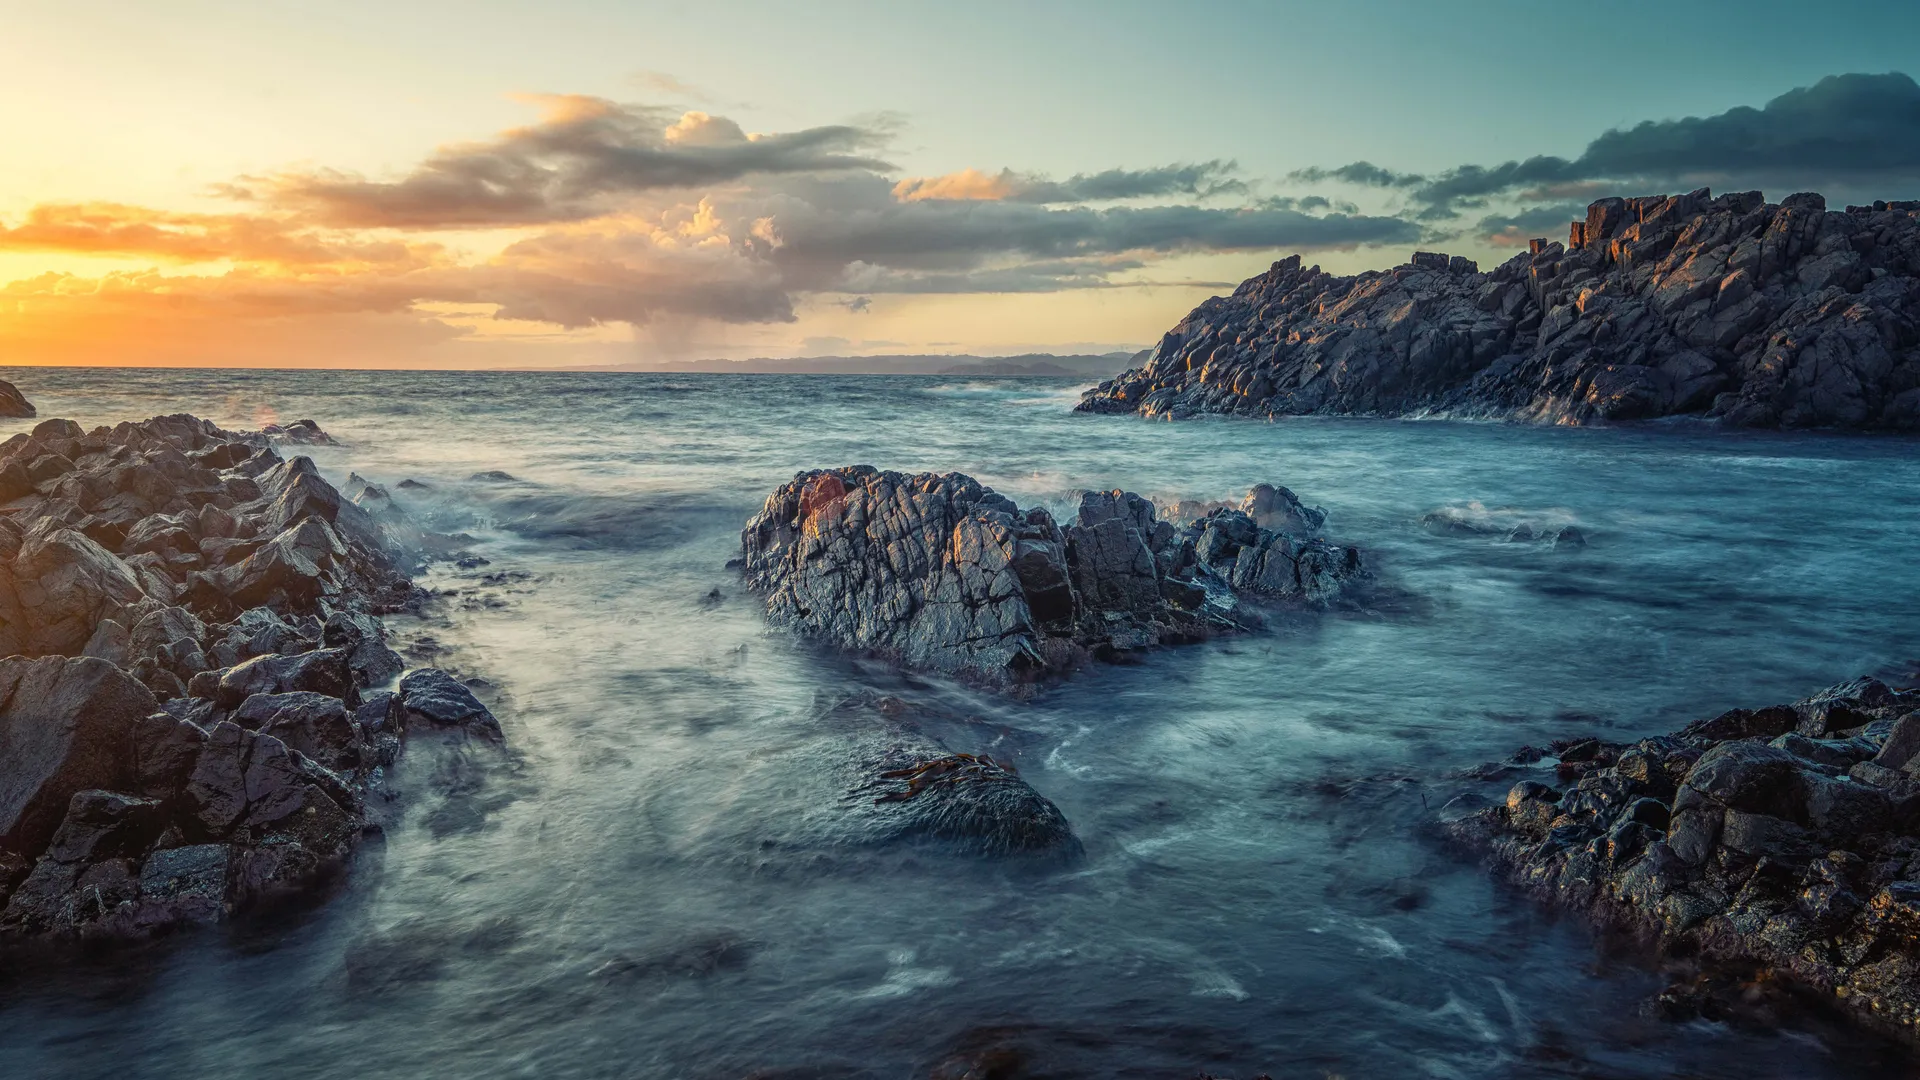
column 941, row 573
column 13, row 404
column 193, row 707
column 1782, row 838
column 1757, row 314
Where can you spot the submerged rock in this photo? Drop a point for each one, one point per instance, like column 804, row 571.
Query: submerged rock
column 1780, row 838
column 1788, row 315
column 905, row 785
column 193, row 721
column 13, row 404
column 939, row 572
column 434, row 697
column 300, row 433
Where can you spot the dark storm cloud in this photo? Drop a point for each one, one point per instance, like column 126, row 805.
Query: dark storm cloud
column 1362, row 173
column 1203, row 180
column 1846, row 135
column 956, row 235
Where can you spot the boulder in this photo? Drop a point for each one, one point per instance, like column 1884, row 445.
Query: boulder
column 439, row 699
column 66, row 725
column 321, row 671
column 58, row 588
column 12, row 403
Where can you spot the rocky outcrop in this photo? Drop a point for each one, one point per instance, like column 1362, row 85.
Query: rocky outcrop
column 193, row 714
column 1753, row 313
column 1781, row 838
column 13, row 404
column 939, row 572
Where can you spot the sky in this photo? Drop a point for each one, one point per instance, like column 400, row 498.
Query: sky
column 577, row 183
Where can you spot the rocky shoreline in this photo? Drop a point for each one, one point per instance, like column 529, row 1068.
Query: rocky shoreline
column 1780, row 841
column 940, row 573
column 198, row 705
column 1746, row 312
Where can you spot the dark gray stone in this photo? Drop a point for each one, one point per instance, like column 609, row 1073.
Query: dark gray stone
column 1785, row 315
column 433, row 696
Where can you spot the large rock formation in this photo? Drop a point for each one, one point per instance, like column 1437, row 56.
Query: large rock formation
column 1787, row 315
column 13, row 404
column 192, row 714
column 940, row 572
column 1782, row 839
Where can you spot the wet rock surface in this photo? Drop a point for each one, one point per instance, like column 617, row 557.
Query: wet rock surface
column 906, row 785
column 14, row 404
column 939, row 572
column 1753, row 313
column 1779, row 840
column 193, row 713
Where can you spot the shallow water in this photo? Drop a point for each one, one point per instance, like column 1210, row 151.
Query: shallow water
column 652, row 887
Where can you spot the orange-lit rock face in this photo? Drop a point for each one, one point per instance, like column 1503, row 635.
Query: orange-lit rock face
column 824, row 493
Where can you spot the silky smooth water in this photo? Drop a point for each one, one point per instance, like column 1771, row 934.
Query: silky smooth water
column 651, row 885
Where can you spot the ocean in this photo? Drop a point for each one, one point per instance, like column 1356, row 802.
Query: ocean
column 650, row 883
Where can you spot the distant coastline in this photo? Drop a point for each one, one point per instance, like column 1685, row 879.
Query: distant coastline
column 1081, row 365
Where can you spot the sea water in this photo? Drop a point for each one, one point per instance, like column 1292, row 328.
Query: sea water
column 649, row 884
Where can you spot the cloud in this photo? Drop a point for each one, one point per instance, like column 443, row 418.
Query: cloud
column 654, row 222
column 568, row 167
column 956, row 235
column 117, row 229
column 1514, row 230
column 1847, row 135
column 1202, row 180
column 1360, row 173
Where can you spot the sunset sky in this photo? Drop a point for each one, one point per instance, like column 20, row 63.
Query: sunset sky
column 582, row 183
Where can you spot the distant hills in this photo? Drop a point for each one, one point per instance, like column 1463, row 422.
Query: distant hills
column 1079, row 365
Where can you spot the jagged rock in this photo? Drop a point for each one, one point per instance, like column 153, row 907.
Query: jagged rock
column 58, row 588
column 940, row 572
column 13, row 404
column 438, row 698
column 1742, row 839
column 1755, row 314
column 66, row 725
column 321, row 727
column 320, row 671
column 373, row 663
column 156, row 769
column 300, row 433
column 1280, row 510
